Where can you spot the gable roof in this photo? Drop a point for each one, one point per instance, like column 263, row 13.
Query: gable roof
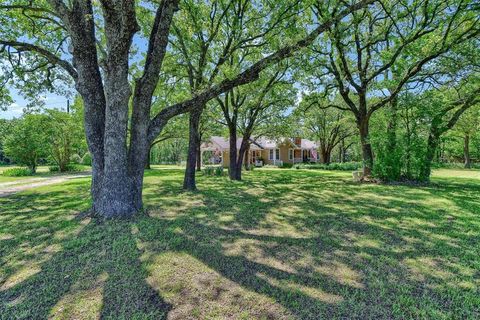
column 221, row 143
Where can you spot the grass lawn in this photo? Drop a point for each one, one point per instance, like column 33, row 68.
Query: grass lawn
column 282, row 244
column 42, row 171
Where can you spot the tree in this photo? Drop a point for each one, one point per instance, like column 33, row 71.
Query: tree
column 5, row 128
column 370, row 58
column 247, row 107
column 325, row 124
column 466, row 127
column 211, row 34
column 447, row 110
column 26, row 142
column 98, row 37
column 63, row 136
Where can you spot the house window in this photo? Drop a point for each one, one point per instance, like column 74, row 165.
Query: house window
column 274, row 154
column 290, row 154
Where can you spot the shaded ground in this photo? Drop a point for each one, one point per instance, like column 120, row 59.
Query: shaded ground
column 283, row 244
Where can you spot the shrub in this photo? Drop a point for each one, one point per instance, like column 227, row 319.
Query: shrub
column 70, row 168
column 345, row 166
column 286, row 165
column 18, row 172
column 213, row 171
column 87, row 159
column 208, row 171
column 76, row 159
column 219, row 171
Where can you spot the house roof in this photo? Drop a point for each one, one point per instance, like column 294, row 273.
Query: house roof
column 221, row 143
column 308, row 144
column 259, row 143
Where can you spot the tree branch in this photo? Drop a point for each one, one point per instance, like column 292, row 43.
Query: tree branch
column 249, row 75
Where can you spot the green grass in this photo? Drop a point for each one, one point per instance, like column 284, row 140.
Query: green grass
column 282, row 244
column 42, row 172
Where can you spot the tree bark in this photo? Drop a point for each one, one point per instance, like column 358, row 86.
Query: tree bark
column 391, row 158
column 189, row 182
column 342, row 151
column 199, row 156
column 244, row 146
column 367, row 153
column 247, row 158
column 325, row 154
column 466, row 151
column 149, row 159
column 232, row 168
column 426, row 167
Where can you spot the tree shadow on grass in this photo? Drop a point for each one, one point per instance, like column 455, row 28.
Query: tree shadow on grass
column 344, row 251
column 70, row 268
column 385, row 252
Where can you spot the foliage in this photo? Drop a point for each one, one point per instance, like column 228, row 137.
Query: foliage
column 17, row 172
column 380, row 51
column 87, row 159
column 329, row 126
column 5, row 127
column 26, row 142
column 68, row 168
column 345, row 166
column 64, row 136
column 76, row 158
column 213, row 171
column 171, row 151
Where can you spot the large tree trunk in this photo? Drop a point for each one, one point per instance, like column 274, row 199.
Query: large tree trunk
column 232, row 168
column 149, row 159
column 247, row 158
column 199, row 155
column 193, row 147
column 391, row 158
column 367, row 153
column 121, row 182
column 325, row 154
column 342, row 151
column 466, row 151
column 244, row 146
column 426, row 167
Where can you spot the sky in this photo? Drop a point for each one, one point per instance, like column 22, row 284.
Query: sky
column 15, row 110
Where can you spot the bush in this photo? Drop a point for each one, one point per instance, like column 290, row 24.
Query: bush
column 76, row 159
column 70, row 168
column 213, row 171
column 18, row 172
column 219, row 171
column 87, row 159
column 286, row 165
column 345, row 166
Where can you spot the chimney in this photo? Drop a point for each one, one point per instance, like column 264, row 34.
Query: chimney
column 298, row 141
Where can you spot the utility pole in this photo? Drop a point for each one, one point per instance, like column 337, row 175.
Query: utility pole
column 68, row 105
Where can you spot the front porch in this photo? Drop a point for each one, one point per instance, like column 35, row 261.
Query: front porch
column 302, row 155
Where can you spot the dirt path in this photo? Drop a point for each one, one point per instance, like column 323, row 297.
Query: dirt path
column 8, row 188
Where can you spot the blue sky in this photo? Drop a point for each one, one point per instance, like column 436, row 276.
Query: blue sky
column 15, row 110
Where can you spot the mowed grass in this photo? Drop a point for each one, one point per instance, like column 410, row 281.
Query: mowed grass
column 282, row 244
column 42, row 172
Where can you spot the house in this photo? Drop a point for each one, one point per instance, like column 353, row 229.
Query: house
column 262, row 151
